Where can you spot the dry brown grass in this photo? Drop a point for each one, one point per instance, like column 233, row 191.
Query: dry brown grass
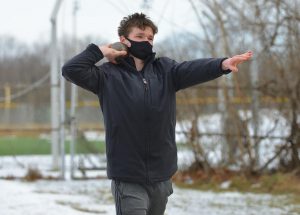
column 275, row 183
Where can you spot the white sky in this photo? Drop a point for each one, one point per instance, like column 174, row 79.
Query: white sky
column 29, row 20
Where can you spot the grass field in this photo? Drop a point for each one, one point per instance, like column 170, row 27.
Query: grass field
column 34, row 145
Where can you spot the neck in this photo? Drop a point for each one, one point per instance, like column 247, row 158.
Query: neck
column 139, row 64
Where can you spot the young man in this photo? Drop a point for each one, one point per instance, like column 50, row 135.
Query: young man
column 137, row 99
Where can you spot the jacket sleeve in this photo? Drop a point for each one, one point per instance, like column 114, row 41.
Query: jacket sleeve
column 81, row 69
column 194, row 72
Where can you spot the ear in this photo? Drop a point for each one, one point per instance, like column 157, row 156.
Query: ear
column 125, row 41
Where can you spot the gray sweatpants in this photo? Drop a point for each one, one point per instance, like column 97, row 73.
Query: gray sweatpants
column 141, row 199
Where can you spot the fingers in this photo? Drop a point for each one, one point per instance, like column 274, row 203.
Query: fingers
column 114, row 54
column 127, row 43
column 247, row 54
column 122, row 53
column 237, row 60
column 243, row 57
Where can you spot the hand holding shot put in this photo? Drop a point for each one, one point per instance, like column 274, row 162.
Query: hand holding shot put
column 113, row 52
column 137, row 94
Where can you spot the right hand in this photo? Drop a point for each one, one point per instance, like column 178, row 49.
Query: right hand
column 111, row 54
column 233, row 62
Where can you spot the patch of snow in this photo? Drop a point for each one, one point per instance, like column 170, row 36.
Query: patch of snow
column 18, row 166
column 48, row 198
column 94, row 197
column 225, row 185
column 184, row 202
column 94, row 136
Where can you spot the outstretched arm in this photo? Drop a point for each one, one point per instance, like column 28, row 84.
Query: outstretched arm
column 189, row 73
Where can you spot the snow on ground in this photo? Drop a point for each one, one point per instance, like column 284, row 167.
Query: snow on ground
column 17, row 166
column 82, row 197
column 55, row 197
column 94, row 197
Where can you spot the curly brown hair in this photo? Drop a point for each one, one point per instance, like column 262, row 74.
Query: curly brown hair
column 139, row 20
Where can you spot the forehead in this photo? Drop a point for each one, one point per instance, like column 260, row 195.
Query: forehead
column 147, row 31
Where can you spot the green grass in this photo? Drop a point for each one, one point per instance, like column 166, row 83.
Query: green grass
column 32, row 145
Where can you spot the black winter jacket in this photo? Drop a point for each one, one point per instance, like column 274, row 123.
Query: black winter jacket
column 139, row 109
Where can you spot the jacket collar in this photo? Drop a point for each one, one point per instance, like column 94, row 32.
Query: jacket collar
column 128, row 62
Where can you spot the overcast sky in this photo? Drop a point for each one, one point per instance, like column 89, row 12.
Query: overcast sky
column 29, row 20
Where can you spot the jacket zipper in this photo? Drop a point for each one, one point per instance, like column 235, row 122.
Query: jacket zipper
column 145, row 84
column 146, row 88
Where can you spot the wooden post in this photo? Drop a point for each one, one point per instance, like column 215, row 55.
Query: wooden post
column 7, row 96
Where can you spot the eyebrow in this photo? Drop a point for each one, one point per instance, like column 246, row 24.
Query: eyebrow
column 142, row 34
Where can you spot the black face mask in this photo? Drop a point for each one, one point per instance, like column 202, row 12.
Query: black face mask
column 141, row 50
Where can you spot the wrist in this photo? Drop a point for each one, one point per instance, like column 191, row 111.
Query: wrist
column 225, row 64
column 104, row 50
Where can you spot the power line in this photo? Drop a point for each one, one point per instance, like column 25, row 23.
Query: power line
column 120, row 9
column 29, row 88
column 163, row 12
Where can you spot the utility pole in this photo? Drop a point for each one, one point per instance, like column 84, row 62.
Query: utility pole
column 62, row 115
column 62, row 120
column 73, row 126
column 54, row 87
